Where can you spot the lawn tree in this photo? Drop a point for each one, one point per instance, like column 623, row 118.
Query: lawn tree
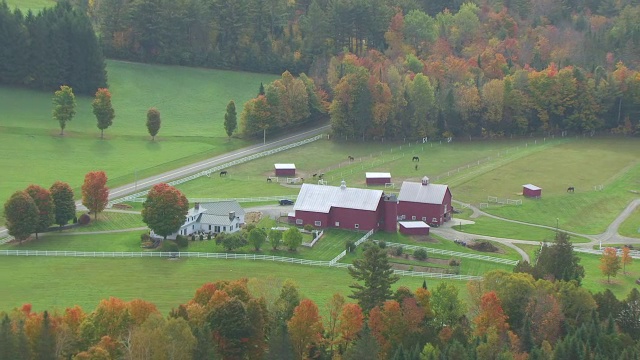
column 559, row 260
column 257, row 237
column 103, row 110
column 275, row 238
column 446, row 305
column 376, row 273
column 153, row 122
column 230, row 119
column 65, row 206
column 21, row 214
column 292, row 238
column 626, row 258
column 64, row 106
column 44, row 202
column 95, row 193
column 165, row 209
column 261, row 89
column 610, row 263
column 232, row 241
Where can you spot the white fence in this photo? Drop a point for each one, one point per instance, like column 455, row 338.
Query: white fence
column 6, row 239
column 633, row 253
column 455, row 253
column 344, row 252
column 240, row 200
column 214, row 169
column 313, row 242
column 115, row 254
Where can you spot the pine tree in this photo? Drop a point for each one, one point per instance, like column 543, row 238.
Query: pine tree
column 7, row 346
column 231, row 118
column 46, row 342
column 376, row 273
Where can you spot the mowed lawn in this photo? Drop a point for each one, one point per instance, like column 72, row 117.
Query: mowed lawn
column 56, row 283
column 596, row 282
column 583, row 163
column 192, row 103
column 631, row 226
column 503, row 229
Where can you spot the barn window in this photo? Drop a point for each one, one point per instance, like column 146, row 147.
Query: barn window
column 357, row 226
column 434, row 220
column 299, row 221
column 413, row 218
column 337, row 223
column 318, row 223
column 424, row 218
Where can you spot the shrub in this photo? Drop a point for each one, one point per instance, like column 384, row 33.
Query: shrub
column 249, row 227
column 201, row 237
column 454, row 262
column 182, row 241
column 84, row 219
column 209, row 236
column 75, row 219
column 308, row 227
column 145, row 237
column 193, row 237
column 420, row 254
column 350, row 246
column 382, row 244
column 219, row 238
column 169, row 246
column 397, row 251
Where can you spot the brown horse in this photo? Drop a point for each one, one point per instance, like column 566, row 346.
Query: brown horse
column 571, row 189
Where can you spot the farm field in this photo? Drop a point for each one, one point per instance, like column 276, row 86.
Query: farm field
column 192, row 111
column 596, row 282
column 109, row 221
column 503, row 229
column 56, row 283
column 631, row 226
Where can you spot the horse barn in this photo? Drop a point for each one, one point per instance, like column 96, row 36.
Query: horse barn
column 532, row 191
column 378, row 178
column 285, row 169
column 414, row 228
column 424, row 201
column 342, row 207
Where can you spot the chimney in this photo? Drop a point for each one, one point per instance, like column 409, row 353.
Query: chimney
column 425, row 181
column 196, row 206
column 232, row 215
column 343, row 185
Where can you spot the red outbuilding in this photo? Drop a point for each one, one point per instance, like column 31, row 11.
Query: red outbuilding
column 414, row 227
column 531, row 190
column 424, row 201
column 285, row 169
column 342, row 207
column 378, row 178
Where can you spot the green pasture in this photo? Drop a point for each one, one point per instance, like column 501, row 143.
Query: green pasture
column 57, row 283
column 631, row 226
column 488, row 226
column 583, row 163
column 531, row 250
column 111, row 220
column 192, row 103
column 34, row 5
column 596, row 282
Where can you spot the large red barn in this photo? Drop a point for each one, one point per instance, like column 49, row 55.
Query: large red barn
column 530, row 190
column 342, row 207
column 424, row 201
column 378, row 178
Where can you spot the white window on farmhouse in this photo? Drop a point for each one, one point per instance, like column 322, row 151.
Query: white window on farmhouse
column 298, row 221
column 209, row 227
column 216, row 229
column 224, row 228
column 318, row 223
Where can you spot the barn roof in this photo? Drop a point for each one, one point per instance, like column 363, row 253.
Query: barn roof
column 222, row 208
column 531, row 187
column 413, row 224
column 426, row 194
column 285, row 166
column 378, row 175
column 321, row 198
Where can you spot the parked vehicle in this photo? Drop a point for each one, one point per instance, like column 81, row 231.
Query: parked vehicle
column 286, row 202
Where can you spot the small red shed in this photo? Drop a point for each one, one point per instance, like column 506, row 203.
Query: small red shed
column 414, row 228
column 378, row 178
column 285, row 169
column 530, row 190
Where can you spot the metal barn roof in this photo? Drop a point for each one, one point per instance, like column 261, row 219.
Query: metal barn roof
column 426, row 194
column 378, row 175
column 321, row 198
column 285, row 166
column 531, row 187
column 414, row 224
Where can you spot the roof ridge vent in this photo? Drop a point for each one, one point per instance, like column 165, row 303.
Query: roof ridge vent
column 343, row 185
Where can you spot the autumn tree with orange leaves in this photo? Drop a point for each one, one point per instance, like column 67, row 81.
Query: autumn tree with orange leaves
column 165, row 209
column 305, row 328
column 610, row 263
column 625, row 258
column 95, row 193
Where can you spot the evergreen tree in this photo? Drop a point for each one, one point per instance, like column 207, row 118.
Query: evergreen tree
column 13, row 47
column 375, row 272
column 7, row 341
column 231, row 118
column 46, row 342
column 153, row 122
column 559, row 260
column 366, row 347
column 22, row 348
column 261, row 89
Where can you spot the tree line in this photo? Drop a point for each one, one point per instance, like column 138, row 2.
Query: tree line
column 35, row 209
column 57, row 46
column 507, row 316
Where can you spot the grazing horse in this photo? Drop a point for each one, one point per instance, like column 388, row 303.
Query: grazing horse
column 351, row 158
column 269, row 180
column 223, row 173
column 571, row 189
column 415, row 158
column 314, row 175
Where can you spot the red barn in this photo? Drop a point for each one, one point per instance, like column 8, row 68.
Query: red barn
column 342, row 207
column 414, row 228
column 531, row 190
column 424, row 201
column 378, row 178
column 285, row 169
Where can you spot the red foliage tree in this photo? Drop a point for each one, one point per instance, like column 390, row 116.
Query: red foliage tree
column 95, row 193
column 44, row 202
column 305, row 327
column 165, row 209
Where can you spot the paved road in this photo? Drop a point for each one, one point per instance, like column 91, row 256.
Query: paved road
column 203, row 165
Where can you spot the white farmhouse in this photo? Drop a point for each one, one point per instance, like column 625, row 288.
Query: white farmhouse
column 212, row 217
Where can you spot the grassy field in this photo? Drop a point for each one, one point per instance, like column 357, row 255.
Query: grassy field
column 192, row 111
column 631, row 226
column 596, row 282
column 503, row 229
column 25, row 5
column 111, row 220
